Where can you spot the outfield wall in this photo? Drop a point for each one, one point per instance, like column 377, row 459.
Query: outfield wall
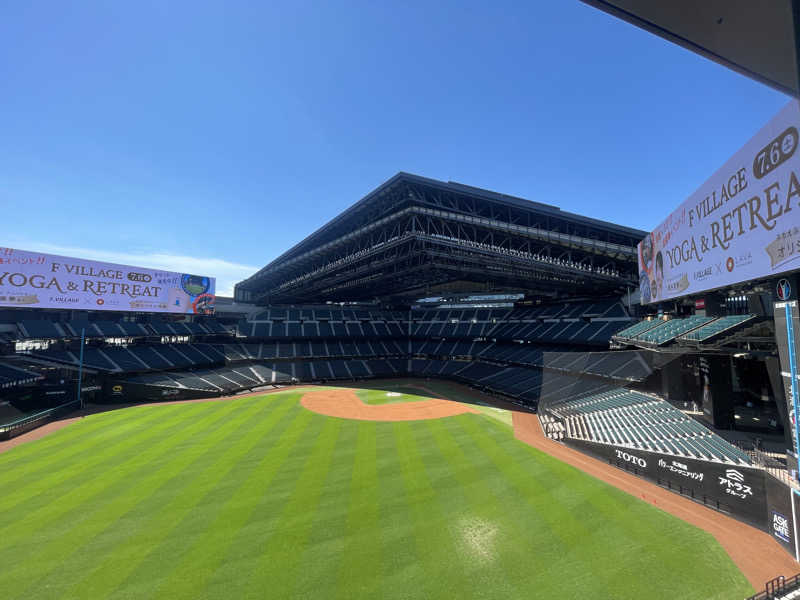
column 125, row 391
column 748, row 494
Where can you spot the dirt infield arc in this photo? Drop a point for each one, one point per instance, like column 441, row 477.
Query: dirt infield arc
column 347, row 405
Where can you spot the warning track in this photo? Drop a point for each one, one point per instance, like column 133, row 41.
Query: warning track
column 756, row 554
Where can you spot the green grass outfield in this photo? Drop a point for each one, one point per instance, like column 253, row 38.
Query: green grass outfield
column 259, row 498
column 376, row 397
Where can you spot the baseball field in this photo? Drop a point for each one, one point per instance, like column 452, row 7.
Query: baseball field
column 264, row 497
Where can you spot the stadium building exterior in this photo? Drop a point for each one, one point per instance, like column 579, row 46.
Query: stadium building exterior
column 437, row 279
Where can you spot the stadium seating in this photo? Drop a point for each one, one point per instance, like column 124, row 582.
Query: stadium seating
column 161, row 328
column 519, row 326
column 11, row 375
column 90, row 331
column 136, row 357
column 131, row 329
column 669, row 330
column 634, row 420
column 625, row 365
column 122, row 359
column 722, row 325
column 31, row 329
column 577, row 323
column 41, row 330
column 631, row 332
column 151, row 357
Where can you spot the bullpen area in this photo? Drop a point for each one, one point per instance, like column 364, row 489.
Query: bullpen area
column 410, row 495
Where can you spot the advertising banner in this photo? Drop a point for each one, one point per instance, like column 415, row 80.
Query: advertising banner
column 780, row 523
column 734, row 489
column 742, row 224
column 38, row 280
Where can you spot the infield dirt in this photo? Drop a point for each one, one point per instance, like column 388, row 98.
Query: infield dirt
column 344, row 403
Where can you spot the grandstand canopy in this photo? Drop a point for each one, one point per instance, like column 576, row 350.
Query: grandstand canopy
column 414, row 235
column 757, row 39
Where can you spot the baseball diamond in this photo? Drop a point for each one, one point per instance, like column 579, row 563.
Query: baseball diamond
column 225, row 499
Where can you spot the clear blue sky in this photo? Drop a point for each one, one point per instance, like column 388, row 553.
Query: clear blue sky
column 213, row 136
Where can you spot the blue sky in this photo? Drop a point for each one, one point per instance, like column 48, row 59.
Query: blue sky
column 210, row 137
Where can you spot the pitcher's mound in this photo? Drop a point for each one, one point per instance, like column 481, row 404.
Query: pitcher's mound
column 345, row 404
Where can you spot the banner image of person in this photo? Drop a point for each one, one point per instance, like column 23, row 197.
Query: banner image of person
column 741, row 224
column 38, row 280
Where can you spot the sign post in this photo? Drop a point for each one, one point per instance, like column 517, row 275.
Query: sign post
column 80, row 367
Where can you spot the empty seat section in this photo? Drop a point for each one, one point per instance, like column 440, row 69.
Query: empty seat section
column 303, row 371
column 151, row 357
column 41, row 330
column 174, row 355
column 286, row 350
column 722, row 325
column 358, row 368
column 261, row 330
column 380, row 368
column 323, row 369
column 124, row 359
column 340, row 370
column 131, row 329
column 161, row 328
column 310, row 330
column 303, row 349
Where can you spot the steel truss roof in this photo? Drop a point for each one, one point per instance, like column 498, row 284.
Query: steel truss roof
column 415, row 234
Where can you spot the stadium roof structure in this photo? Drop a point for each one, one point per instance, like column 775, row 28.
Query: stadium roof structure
column 414, row 235
column 756, row 39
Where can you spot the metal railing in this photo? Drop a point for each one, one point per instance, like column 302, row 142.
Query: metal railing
column 777, row 588
column 771, row 465
column 29, row 422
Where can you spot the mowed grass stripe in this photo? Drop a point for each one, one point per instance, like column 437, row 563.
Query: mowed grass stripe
column 589, row 536
column 570, row 531
column 62, row 542
column 207, row 533
column 34, row 539
column 138, row 545
column 38, row 491
column 436, row 542
column 498, row 490
column 66, row 492
column 102, row 424
column 284, row 465
column 476, row 529
column 278, row 563
column 325, row 543
column 360, row 570
column 622, row 539
column 399, row 551
column 46, row 460
column 488, row 522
